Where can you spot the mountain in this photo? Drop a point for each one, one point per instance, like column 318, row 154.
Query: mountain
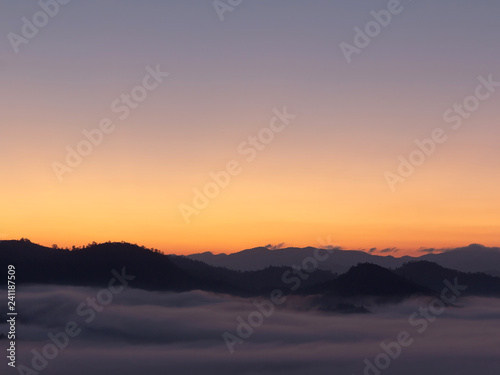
column 258, row 258
column 363, row 284
column 368, row 279
column 432, row 275
column 262, row 281
column 473, row 258
column 92, row 266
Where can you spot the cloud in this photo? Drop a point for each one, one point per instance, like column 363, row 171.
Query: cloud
column 275, row 247
column 181, row 333
column 389, row 250
column 429, row 251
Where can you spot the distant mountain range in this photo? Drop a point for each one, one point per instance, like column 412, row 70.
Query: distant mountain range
column 473, row 258
column 92, row 266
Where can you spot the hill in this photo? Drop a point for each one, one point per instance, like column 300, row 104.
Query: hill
column 473, row 258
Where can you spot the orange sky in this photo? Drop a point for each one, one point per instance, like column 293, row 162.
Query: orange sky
column 323, row 175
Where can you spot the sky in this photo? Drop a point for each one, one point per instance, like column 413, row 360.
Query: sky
column 330, row 170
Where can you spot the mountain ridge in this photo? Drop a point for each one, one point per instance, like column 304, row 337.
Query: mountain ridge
column 472, row 258
column 92, row 266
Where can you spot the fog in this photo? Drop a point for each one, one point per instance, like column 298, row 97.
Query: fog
column 159, row 333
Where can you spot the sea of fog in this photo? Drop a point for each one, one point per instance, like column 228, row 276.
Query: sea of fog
column 140, row 332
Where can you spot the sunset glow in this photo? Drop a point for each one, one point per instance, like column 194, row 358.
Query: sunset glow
column 323, row 175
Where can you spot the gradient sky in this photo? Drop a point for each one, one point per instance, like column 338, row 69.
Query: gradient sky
column 322, row 176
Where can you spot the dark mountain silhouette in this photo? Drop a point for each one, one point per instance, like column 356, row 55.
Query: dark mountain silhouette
column 473, row 258
column 258, row 258
column 432, row 275
column 263, row 280
column 362, row 284
column 92, row 266
column 367, row 279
